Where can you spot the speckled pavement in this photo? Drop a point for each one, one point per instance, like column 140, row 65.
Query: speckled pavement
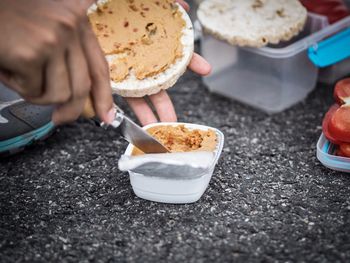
column 270, row 200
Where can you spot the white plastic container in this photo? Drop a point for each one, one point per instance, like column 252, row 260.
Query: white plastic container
column 271, row 78
column 326, row 155
column 330, row 75
column 176, row 191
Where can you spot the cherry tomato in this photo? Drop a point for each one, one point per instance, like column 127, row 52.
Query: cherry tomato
column 342, row 91
column 344, row 149
column 335, row 10
column 338, row 152
column 325, row 124
column 339, row 124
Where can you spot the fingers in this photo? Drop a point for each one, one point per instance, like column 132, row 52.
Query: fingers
column 57, row 83
column 79, row 83
column 68, row 112
column 199, row 65
column 184, row 5
column 29, row 82
column 142, row 110
column 100, row 82
column 87, row 3
column 164, row 106
column 5, row 78
column 22, row 71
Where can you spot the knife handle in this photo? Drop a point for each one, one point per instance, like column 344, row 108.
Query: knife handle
column 88, row 111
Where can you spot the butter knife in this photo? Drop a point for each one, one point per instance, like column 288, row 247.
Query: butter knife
column 128, row 129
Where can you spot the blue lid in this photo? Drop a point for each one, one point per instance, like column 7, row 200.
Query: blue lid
column 331, row 50
column 326, row 155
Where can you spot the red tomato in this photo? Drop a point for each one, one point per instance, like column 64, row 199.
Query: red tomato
column 325, row 124
column 338, row 152
column 344, row 149
column 339, row 124
column 342, row 91
column 335, row 10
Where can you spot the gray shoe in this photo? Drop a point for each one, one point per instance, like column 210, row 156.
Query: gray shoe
column 21, row 123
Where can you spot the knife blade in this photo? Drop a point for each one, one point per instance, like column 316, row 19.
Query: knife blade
column 128, row 129
column 134, row 134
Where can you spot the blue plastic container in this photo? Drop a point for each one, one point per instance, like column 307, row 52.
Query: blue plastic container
column 326, row 155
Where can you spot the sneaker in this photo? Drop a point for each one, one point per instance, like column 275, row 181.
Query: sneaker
column 21, row 123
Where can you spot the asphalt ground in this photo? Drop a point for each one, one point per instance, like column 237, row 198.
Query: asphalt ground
column 270, row 200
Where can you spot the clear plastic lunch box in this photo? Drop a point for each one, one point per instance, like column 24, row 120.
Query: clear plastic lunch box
column 326, row 155
column 175, row 190
column 275, row 77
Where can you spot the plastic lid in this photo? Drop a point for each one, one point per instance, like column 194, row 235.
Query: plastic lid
column 306, row 42
column 326, row 155
column 331, row 50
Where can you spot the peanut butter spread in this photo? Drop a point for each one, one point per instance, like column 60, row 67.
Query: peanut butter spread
column 181, row 139
column 145, row 36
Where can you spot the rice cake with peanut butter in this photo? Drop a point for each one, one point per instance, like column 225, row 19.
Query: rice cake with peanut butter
column 148, row 43
column 181, row 139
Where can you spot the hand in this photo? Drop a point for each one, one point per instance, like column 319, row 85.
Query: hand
column 50, row 55
column 161, row 101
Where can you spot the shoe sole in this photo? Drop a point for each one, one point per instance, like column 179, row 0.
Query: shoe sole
column 19, row 143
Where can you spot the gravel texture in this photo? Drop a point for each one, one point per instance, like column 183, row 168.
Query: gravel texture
column 270, row 200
